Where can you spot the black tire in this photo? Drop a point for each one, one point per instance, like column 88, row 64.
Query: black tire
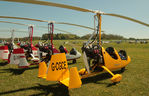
column 123, row 69
column 74, row 61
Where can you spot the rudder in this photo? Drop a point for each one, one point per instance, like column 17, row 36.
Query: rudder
column 58, row 68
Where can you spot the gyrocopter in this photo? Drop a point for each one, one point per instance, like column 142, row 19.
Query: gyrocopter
column 30, row 51
column 50, row 49
column 45, row 50
column 19, row 54
column 102, row 59
column 7, row 47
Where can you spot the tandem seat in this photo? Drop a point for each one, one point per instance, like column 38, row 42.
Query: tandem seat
column 111, row 52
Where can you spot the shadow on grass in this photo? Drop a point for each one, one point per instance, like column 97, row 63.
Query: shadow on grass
column 18, row 71
column 3, row 63
column 99, row 77
column 54, row 89
column 112, row 84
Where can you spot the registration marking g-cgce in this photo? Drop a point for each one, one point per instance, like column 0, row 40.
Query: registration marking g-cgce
column 55, row 66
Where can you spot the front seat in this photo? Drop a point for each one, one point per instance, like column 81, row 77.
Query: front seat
column 111, row 52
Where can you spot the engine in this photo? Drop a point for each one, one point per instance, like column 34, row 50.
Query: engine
column 94, row 55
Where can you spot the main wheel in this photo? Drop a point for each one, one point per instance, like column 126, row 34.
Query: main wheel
column 123, row 69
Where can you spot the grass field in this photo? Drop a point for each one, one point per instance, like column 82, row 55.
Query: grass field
column 135, row 82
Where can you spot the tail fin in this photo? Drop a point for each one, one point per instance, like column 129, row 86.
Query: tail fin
column 42, row 70
column 23, row 62
column 58, row 68
column 14, row 59
column 74, row 78
column 18, row 57
column 58, row 71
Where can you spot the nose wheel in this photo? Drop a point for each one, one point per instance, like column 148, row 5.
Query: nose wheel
column 115, row 78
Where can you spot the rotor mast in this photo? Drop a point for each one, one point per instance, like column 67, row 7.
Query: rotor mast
column 30, row 28
column 99, row 25
column 98, row 14
column 12, row 36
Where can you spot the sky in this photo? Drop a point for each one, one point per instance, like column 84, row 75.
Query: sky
column 137, row 9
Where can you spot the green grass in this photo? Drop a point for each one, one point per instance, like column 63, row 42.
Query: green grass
column 135, row 82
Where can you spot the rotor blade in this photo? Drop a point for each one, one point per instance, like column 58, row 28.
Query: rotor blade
column 56, row 29
column 51, row 4
column 23, row 18
column 35, row 25
column 14, row 23
column 127, row 18
column 47, row 21
column 75, row 8
column 18, row 31
column 2, row 30
column 74, row 25
column 62, row 31
column 22, row 31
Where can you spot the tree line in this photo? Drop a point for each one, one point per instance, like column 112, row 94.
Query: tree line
column 72, row 36
column 60, row 36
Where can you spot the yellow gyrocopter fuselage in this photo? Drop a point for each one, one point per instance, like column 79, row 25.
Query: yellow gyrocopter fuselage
column 57, row 69
column 111, row 62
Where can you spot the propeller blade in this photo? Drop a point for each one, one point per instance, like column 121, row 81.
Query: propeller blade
column 127, row 18
column 47, row 21
column 86, row 62
column 51, row 4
